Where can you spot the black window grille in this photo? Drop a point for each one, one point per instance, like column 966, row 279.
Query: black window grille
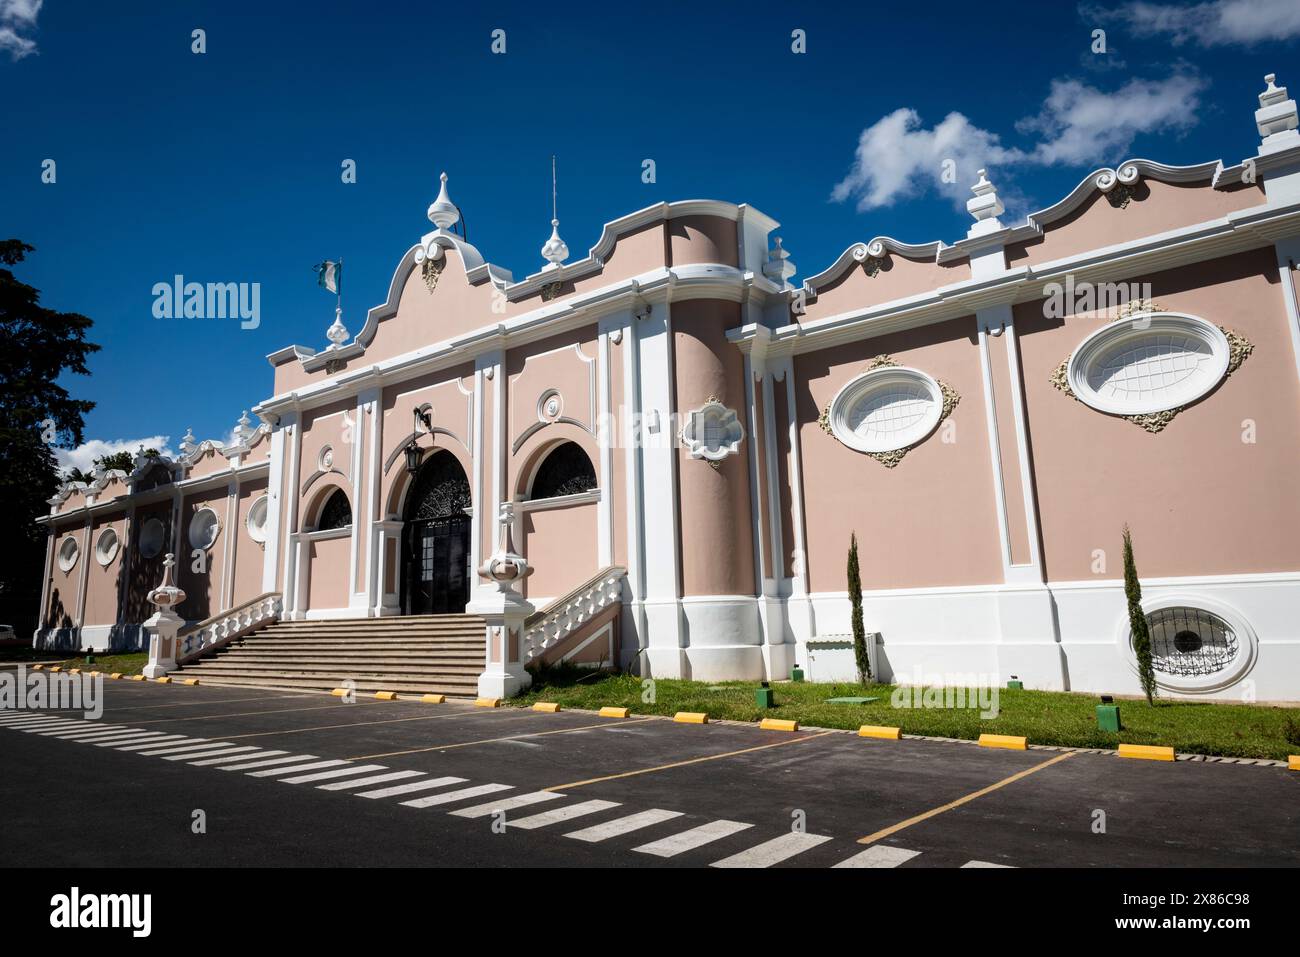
column 1190, row 642
column 337, row 512
column 565, row 471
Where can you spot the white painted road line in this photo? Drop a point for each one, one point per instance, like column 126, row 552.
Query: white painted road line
column 25, row 723
column 409, row 788
column 623, row 825
column 879, row 855
column 461, row 795
column 375, row 779
column 83, row 728
column 140, row 737
column 170, row 739
column 341, row 772
column 558, row 815
column 270, row 761
column 985, row 864
column 241, row 757
column 78, row 725
column 508, row 804
column 276, row 772
column 695, row 837
column 212, row 754
column 774, row 851
column 83, row 738
column 177, row 749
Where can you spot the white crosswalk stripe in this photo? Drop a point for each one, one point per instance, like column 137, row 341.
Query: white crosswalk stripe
column 135, row 737
column 879, row 855
column 985, row 864
column 212, row 754
column 374, row 779
column 177, row 749
column 258, row 752
column 410, row 788
column 560, row 814
column 695, row 837
column 277, row 772
column 82, row 728
column 270, row 761
column 169, row 739
column 508, row 804
column 452, row 796
column 623, row 825
column 83, row 738
column 774, row 851
column 338, row 773
column 61, row 725
column 24, row 724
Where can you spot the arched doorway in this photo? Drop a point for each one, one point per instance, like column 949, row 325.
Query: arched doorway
column 435, row 539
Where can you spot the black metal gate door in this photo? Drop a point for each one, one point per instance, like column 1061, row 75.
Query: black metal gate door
column 437, row 572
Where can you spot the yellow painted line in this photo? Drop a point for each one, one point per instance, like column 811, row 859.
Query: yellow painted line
column 487, row 702
column 691, row 717
column 934, row 812
column 434, row 698
column 778, row 724
column 470, row 744
column 164, row 680
column 1293, row 762
column 1147, row 752
column 609, row 711
column 682, row 764
column 880, row 731
column 386, row 695
column 1009, row 741
column 191, row 681
column 550, row 707
column 354, row 724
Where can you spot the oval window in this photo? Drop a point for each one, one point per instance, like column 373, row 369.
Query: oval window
column 106, row 547
column 886, row 409
column 203, row 528
column 152, row 534
column 1153, row 363
column 1197, row 644
column 68, row 553
column 256, row 521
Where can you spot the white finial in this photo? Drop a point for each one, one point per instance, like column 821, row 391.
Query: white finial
column 984, row 206
column 188, row 442
column 554, row 249
column 1276, row 116
column 442, row 211
column 778, row 267
column 242, row 430
column 337, row 333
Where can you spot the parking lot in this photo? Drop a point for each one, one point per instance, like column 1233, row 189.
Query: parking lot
column 306, row 779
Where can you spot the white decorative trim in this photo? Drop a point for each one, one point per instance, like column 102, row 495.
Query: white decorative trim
column 69, row 552
column 219, row 631
column 196, row 527
column 1136, row 333
column 712, row 415
column 257, row 531
column 115, row 546
column 876, row 382
column 558, row 623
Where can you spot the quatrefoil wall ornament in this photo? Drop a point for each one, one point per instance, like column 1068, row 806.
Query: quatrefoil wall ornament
column 712, row 432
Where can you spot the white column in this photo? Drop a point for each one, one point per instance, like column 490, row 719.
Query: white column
column 274, row 508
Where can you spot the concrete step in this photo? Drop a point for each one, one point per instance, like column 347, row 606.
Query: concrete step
column 452, row 689
column 323, row 667
column 327, row 675
column 409, row 657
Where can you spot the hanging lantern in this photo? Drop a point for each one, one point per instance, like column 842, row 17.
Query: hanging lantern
column 413, row 451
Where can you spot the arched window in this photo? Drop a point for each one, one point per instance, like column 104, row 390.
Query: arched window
column 337, row 512
column 565, row 471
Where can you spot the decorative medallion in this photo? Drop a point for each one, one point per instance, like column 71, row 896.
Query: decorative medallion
column 712, row 432
column 872, row 265
column 334, row 366
column 551, row 290
column 1120, row 196
column 431, row 270
column 550, row 405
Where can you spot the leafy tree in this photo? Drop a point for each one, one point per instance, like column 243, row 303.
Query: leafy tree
column 1137, row 622
column 76, row 475
column 36, row 415
column 122, row 461
column 860, row 655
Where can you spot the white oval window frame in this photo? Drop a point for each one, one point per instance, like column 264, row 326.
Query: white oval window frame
column 1117, row 333
column 146, row 546
column 195, row 526
column 69, row 552
column 257, row 531
column 861, row 386
column 1247, row 643
column 116, row 545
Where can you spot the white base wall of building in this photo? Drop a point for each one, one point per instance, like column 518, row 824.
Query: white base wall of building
column 1070, row 636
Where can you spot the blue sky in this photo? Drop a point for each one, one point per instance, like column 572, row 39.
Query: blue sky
column 225, row 166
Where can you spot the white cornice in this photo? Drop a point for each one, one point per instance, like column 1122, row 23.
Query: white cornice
column 861, row 252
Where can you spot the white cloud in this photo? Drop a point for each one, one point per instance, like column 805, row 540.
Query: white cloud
column 1082, row 125
column 17, row 17
column 83, row 456
column 1078, row 125
column 897, row 155
column 1215, row 23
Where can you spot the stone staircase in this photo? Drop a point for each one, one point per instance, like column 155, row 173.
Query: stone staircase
column 413, row 654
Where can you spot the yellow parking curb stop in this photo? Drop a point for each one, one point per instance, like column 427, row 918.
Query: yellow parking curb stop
column 434, row 698
column 386, row 695
column 487, row 702
column 1011, row 742
column 691, row 717
column 191, row 681
column 880, row 731
column 778, row 724
column 550, row 707
column 1147, row 752
column 609, row 711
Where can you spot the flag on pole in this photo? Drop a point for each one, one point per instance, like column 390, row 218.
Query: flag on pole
column 330, row 276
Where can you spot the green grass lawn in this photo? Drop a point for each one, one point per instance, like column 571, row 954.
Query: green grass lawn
column 1044, row 717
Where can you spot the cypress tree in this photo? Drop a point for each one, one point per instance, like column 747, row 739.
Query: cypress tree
column 860, row 655
column 1137, row 622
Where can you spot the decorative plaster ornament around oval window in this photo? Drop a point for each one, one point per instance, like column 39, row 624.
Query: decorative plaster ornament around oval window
column 204, row 527
column 712, row 432
column 1148, row 366
column 326, row 459
column 887, row 410
column 106, row 547
column 550, row 405
column 256, row 521
column 68, row 553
